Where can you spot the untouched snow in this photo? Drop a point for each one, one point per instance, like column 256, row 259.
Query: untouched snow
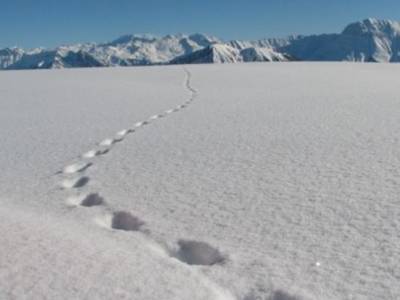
column 242, row 182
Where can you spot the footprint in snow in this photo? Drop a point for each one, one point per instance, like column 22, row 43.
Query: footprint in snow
column 78, row 167
column 155, row 117
column 89, row 200
column 124, row 132
column 123, row 220
column 282, row 295
column 75, row 182
column 140, row 124
column 94, row 153
column 93, row 199
column 197, row 253
column 275, row 295
column 109, row 142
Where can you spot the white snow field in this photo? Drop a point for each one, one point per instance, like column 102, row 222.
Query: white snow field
column 226, row 182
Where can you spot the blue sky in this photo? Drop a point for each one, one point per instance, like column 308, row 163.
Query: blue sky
column 34, row 23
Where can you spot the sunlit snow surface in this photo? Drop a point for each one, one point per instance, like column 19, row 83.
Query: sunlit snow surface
column 243, row 182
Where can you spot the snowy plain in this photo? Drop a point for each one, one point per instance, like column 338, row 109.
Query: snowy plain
column 243, row 182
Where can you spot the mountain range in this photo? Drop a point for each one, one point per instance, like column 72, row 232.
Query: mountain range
column 370, row 40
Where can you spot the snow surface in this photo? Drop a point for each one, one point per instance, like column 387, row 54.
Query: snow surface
column 244, row 182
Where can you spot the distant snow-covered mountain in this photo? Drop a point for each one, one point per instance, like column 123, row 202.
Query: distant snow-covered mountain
column 148, row 50
column 55, row 59
column 217, row 53
column 230, row 53
column 8, row 56
column 127, row 50
column 253, row 54
column 370, row 40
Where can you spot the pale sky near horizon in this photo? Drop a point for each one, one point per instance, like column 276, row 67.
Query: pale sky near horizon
column 48, row 23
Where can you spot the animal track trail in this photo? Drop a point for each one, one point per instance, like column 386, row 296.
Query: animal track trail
column 106, row 145
column 189, row 252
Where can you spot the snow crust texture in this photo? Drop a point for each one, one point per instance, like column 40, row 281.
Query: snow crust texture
column 243, row 182
column 187, row 251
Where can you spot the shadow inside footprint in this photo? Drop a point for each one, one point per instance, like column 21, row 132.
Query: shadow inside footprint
column 198, row 253
column 123, row 220
column 94, row 153
column 92, row 200
column 282, row 295
column 75, row 168
column 81, row 182
column 276, row 295
column 124, row 132
column 75, row 183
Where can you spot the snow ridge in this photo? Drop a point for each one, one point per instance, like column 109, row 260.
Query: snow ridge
column 128, row 50
column 370, row 40
column 55, row 59
column 10, row 56
column 233, row 52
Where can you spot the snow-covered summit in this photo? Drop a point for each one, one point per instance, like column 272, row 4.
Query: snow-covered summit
column 55, row 59
column 148, row 49
column 232, row 52
column 374, row 27
column 131, row 38
column 253, row 54
column 370, row 40
column 216, row 53
column 126, row 50
column 8, row 56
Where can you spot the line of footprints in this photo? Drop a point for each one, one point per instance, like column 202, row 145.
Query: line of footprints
column 187, row 251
